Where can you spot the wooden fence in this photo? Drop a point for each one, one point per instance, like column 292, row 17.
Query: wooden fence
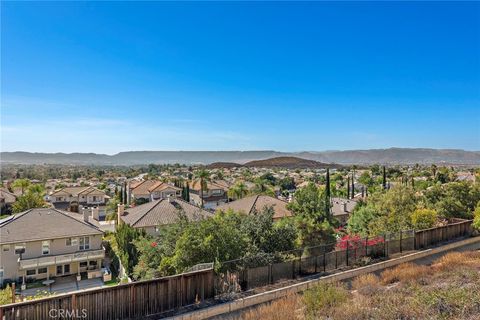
column 434, row 236
column 128, row 301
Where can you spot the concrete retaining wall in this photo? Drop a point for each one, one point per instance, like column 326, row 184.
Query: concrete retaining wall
column 299, row 287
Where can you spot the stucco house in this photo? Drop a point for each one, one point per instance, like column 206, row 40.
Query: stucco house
column 45, row 243
column 153, row 215
column 256, row 203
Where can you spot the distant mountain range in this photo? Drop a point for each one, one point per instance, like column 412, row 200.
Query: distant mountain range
column 380, row 156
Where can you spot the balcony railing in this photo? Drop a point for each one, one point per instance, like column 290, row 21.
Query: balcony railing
column 61, row 259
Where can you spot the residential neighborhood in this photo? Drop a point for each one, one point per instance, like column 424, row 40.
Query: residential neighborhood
column 240, row 160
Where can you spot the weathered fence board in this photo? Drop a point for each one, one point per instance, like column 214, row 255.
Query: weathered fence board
column 127, row 301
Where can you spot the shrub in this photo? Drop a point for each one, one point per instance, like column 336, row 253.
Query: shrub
column 454, row 260
column 407, row 272
column 424, row 218
column 285, row 308
column 323, row 298
column 366, row 284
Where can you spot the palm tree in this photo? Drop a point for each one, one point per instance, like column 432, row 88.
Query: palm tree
column 22, row 184
column 202, row 176
column 238, row 191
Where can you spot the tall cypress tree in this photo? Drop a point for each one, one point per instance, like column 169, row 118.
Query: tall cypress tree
column 327, row 195
column 384, row 182
column 352, row 193
column 120, row 195
column 124, row 193
column 348, row 187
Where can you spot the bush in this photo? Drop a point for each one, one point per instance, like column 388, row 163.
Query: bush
column 424, row 218
column 367, row 284
column 285, row 308
column 407, row 272
column 323, row 298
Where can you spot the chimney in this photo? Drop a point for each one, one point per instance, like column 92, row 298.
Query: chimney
column 85, row 214
column 120, row 211
column 345, row 207
column 95, row 213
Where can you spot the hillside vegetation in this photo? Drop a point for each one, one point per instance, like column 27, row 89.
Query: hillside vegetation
column 290, row 163
column 448, row 289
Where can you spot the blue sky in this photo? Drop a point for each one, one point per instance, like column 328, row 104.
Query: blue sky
column 113, row 76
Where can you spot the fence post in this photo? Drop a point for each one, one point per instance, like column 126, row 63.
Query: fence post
column 366, row 246
column 13, row 292
column 324, row 260
column 384, row 245
column 346, row 253
column 401, row 241
column 74, row 303
column 414, row 239
column 336, row 260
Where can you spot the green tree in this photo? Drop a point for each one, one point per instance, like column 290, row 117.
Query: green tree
column 23, row 184
column 33, row 197
column 202, row 176
column 215, row 240
column 125, row 237
column 313, row 224
column 476, row 217
column 423, row 218
column 361, row 220
column 238, row 191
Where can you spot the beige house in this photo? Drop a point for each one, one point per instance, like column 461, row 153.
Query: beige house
column 81, row 195
column 150, row 190
column 213, row 196
column 45, row 243
column 342, row 208
column 256, row 203
column 153, row 215
column 7, row 199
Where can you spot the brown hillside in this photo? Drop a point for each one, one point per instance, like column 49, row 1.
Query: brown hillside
column 290, row 163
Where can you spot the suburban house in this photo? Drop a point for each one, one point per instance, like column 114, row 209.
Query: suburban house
column 45, row 243
column 342, row 208
column 74, row 198
column 153, row 215
column 215, row 194
column 256, row 203
column 150, row 190
column 6, row 200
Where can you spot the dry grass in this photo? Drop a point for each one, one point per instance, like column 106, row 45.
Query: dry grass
column 449, row 289
column 454, row 260
column 407, row 272
column 286, row 308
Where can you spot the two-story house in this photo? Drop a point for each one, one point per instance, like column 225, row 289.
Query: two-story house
column 74, row 198
column 44, row 243
column 213, row 195
column 150, row 190
column 153, row 215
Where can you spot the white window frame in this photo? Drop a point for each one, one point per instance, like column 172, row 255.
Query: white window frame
column 45, row 245
column 73, row 242
column 84, row 245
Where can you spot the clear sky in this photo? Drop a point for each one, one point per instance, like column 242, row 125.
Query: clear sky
column 114, row 76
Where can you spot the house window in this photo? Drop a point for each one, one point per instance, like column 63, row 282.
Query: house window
column 217, row 191
column 31, row 272
column 42, row 270
column 70, row 242
column 84, row 243
column 46, row 247
column 6, row 248
column 94, row 198
column 20, row 248
column 83, row 264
